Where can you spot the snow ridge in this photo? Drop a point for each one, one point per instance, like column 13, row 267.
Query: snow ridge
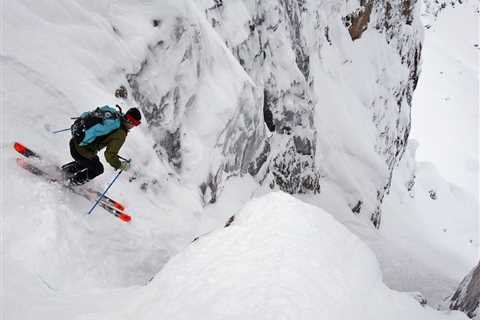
column 280, row 258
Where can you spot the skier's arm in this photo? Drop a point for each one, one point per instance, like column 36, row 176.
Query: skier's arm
column 113, row 147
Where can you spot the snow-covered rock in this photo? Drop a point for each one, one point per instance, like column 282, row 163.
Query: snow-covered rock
column 332, row 81
column 303, row 57
column 198, row 102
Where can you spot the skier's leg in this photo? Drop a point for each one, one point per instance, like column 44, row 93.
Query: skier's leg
column 92, row 168
column 84, row 169
column 71, row 168
column 95, row 168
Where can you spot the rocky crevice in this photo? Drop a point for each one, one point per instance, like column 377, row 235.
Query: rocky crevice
column 282, row 45
column 278, row 26
column 287, row 110
column 395, row 20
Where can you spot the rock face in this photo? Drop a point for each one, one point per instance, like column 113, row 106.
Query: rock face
column 204, row 120
column 275, row 55
column 467, row 296
column 333, row 82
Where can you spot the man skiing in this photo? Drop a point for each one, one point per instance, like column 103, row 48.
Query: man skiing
column 92, row 131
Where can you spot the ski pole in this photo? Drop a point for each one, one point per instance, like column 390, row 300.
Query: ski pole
column 101, row 196
column 61, row 130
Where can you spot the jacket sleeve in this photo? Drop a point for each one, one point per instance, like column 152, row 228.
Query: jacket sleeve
column 113, row 147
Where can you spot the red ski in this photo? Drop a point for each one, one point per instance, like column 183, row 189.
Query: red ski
column 106, row 203
column 20, row 148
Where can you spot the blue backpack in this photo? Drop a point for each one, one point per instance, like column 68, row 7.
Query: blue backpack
column 96, row 123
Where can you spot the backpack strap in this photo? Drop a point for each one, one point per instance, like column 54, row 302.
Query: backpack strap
column 119, row 109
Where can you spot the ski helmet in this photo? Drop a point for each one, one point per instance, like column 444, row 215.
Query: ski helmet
column 133, row 116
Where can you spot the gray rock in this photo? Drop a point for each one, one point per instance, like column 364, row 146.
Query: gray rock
column 467, row 296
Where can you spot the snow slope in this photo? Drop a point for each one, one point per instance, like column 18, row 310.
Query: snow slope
column 445, row 117
column 279, row 259
column 425, row 245
column 438, row 242
column 67, row 61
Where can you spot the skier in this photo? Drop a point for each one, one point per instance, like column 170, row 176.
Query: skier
column 93, row 131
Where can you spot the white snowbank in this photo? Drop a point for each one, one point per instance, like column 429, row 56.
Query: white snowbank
column 280, row 259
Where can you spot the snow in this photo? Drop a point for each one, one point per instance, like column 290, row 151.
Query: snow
column 446, row 111
column 281, row 258
column 57, row 70
column 355, row 84
column 432, row 230
column 415, row 253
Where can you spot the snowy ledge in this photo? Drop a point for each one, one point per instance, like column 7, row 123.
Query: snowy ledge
column 280, row 259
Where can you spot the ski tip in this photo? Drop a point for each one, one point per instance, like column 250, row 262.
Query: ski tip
column 19, row 147
column 119, row 206
column 125, row 217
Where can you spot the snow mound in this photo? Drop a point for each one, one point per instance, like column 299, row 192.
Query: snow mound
column 280, row 259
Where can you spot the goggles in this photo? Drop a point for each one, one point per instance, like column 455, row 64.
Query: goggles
column 134, row 122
